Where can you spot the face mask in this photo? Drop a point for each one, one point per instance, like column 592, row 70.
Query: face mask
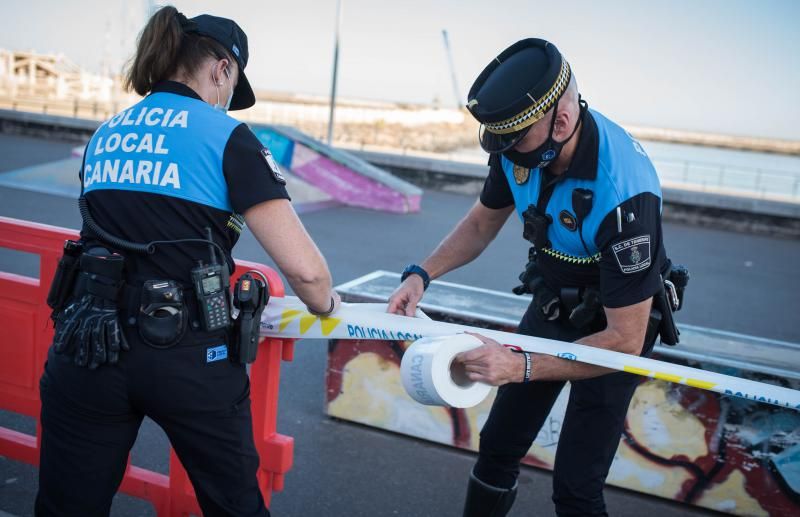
column 543, row 155
column 227, row 105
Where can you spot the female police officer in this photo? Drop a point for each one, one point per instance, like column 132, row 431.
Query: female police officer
column 134, row 338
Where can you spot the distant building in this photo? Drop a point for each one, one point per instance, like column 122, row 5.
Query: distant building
column 29, row 74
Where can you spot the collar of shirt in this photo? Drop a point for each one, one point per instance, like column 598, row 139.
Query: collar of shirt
column 176, row 88
column 584, row 163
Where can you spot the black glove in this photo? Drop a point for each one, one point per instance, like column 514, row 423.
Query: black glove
column 67, row 322
column 89, row 329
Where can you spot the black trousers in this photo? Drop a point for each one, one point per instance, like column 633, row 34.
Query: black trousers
column 90, row 419
column 589, row 434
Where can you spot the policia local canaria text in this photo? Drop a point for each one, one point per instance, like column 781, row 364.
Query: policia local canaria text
column 137, row 140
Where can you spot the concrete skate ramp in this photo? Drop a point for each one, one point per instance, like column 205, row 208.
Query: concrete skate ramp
column 346, row 178
column 59, row 178
column 306, row 197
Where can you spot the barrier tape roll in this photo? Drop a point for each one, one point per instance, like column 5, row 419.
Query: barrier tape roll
column 288, row 318
column 429, row 377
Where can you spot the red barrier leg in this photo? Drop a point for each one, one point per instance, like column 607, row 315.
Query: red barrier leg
column 29, row 332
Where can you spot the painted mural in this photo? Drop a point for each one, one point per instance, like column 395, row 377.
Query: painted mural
column 681, row 443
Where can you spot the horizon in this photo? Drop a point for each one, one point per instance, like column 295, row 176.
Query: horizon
column 706, row 78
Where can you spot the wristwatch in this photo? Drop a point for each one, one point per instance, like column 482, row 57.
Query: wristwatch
column 413, row 269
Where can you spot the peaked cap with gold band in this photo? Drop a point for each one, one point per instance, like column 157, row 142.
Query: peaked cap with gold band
column 519, row 86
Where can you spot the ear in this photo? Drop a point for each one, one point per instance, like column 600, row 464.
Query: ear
column 563, row 122
column 219, row 71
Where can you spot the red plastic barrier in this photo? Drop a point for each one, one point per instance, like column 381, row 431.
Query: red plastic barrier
column 27, row 333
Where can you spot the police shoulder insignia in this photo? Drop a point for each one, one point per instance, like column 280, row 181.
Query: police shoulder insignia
column 521, row 174
column 633, row 255
column 568, row 220
column 273, row 166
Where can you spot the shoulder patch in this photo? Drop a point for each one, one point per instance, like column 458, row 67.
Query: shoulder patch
column 273, row 166
column 633, row 255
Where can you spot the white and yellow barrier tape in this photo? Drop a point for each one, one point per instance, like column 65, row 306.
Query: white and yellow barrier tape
column 288, row 318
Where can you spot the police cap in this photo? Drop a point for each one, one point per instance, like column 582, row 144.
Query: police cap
column 228, row 34
column 516, row 90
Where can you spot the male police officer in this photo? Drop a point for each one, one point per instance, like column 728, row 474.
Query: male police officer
column 590, row 203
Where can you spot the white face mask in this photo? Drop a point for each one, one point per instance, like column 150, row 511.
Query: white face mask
column 227, row 105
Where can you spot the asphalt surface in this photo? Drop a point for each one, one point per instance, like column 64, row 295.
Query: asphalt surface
column 741, row 283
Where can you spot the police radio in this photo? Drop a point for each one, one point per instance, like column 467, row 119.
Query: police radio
column 211, row 283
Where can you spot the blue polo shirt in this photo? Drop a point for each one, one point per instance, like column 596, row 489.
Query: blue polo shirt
column 622, row 252
column 170, row 166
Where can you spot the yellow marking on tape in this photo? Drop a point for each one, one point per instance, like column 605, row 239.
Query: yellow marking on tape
column 637, row 371
column 287, row 317
column 668, row 377
column 700, row 384
column 328, row 324
column 306, row 322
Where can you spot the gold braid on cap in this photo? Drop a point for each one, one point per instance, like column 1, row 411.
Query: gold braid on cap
column 539, row 108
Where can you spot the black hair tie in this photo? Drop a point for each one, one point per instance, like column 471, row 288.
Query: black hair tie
column 186, row 24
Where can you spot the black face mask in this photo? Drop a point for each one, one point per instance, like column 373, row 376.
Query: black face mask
column 543, row 155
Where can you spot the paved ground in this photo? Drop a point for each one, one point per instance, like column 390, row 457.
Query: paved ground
column 741, row 283
column 18, row 151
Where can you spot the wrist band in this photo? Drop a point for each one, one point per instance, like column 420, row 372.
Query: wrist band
column 528, row 361
column 326, row 313
column 528, row 365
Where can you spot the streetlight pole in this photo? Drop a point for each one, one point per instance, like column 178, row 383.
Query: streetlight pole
column 335, row 69
column 456, row 89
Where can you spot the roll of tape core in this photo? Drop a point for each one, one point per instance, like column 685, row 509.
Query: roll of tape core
column 432, row 377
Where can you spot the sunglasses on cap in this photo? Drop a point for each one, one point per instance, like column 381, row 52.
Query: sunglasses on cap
column 494, row 143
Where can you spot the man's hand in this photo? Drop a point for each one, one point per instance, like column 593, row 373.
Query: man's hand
column 492, row 363
column 405, row 298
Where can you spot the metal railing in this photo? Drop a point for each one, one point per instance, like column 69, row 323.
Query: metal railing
column 760, row 183
column 753, row 182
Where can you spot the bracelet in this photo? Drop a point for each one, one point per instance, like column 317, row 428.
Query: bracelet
column 326, row 313
column 528, row 366
column 528, row 361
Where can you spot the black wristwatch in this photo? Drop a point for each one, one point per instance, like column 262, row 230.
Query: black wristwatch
column 413, row 269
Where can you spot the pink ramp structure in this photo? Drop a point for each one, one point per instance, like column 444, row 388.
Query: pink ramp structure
column 346, row 179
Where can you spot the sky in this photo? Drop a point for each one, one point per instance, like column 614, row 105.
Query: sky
column 724, row 66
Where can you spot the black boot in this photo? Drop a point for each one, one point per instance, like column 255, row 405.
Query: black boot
column 484, row 500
